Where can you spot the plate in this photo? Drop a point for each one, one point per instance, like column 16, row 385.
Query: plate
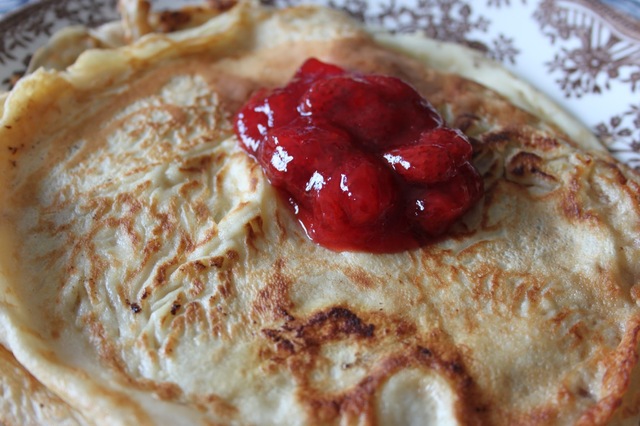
column 584, row 54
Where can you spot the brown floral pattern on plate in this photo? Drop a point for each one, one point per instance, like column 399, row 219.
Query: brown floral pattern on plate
column 33, row 25
column 596, row 47
column 606, row 46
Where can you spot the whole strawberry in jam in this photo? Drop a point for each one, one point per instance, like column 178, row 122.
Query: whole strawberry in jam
column 366, row 161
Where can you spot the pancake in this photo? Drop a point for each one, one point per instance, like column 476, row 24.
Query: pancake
column 25, row 401
column 150, row 275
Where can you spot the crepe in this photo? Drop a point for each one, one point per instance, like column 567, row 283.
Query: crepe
column 26, row 402
column 149, row 274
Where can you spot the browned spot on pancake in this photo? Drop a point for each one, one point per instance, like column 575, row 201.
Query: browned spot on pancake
column 169, row 344
column 160, row 276
column 165, row 222
column 150, row 248
column 618, row 176
column 232, row 255
column 281, row 224
column 253, row 183
column 102, row 342
column 194, row 313
column 198, row 164
column 560, row 317
column 526, row 163
column 360, row 277
column 135, row 308
column 132, row 205
column 129, row 207
column 578, row 330
column 98, row 266
column 465, row 121
column 215, row 315
column 543, row 142
column 186, row 244
column 253, row 229
column 187, row 188
column 283, row 346
column 193, row 269
column 306, row 336
column 197, row 287
column 584, row 393
column 225, row 278
column 572, row 204
column 13, row 150
column 635, row 293
column 127, row 224
column 217, row 404
column 202, row 213
column 325, row 410
column 333, row 324
column 499, row 138
column 221, row 5
column 167, row 391
column 145, row 293
column 402, row 329
column 217, row 261
column 273, row 298
column 171, row 20
column 539, row 416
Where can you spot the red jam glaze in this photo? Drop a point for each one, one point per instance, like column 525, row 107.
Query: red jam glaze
column 365, row 161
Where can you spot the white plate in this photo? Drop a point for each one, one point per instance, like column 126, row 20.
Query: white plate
column 584, row 54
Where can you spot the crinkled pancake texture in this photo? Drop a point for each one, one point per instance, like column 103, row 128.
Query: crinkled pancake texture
column 24, row 401
column 150, row 275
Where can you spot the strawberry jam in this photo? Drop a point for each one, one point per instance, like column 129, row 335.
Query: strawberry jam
column 366, row 163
